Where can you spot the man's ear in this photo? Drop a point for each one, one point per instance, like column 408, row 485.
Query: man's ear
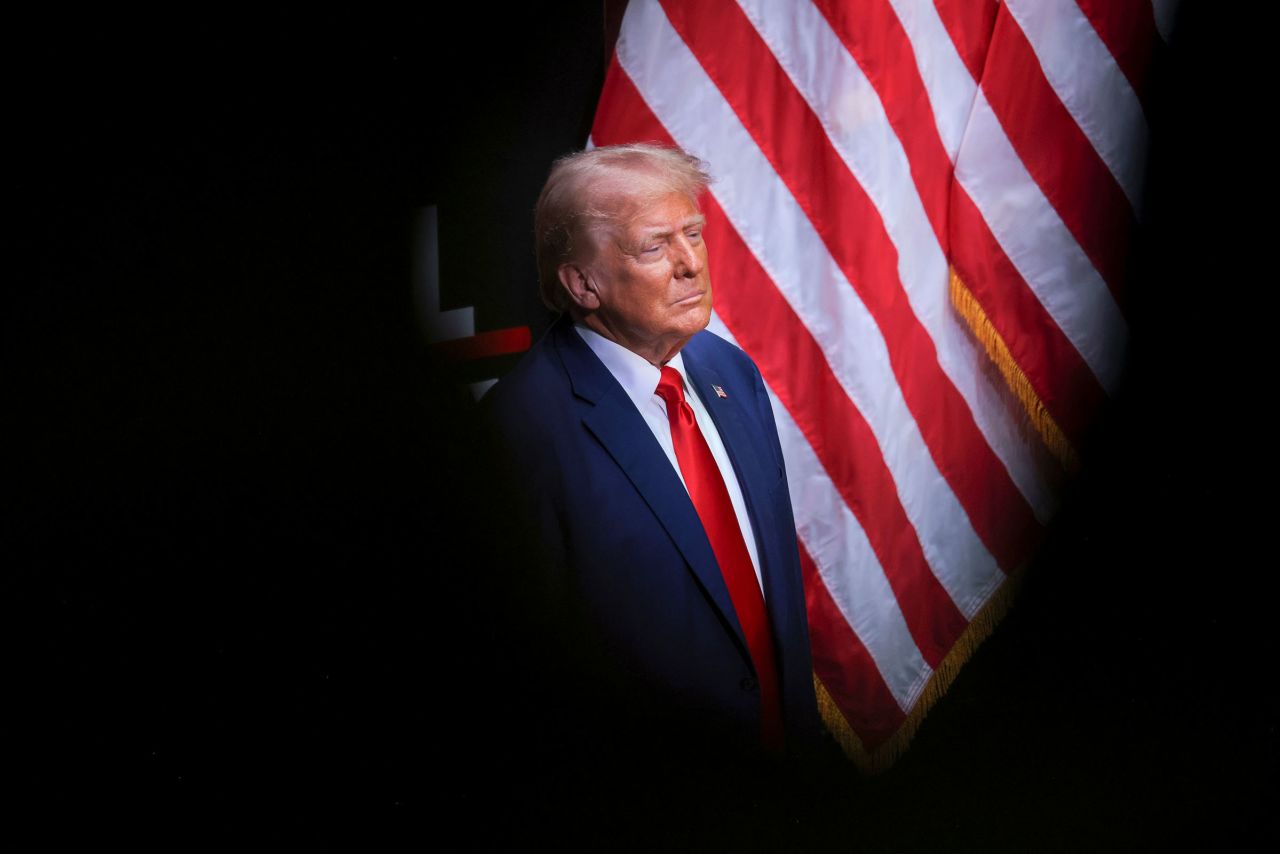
column 578, row 285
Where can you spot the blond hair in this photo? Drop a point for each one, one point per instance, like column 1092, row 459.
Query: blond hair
column 589, row 189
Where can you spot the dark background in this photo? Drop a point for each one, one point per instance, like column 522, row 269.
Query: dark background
column 251, row 531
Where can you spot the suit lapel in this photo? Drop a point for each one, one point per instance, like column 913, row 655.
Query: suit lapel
column 612, row 418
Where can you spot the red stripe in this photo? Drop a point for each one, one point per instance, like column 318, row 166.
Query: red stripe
column 1063, row 381
column 844, row 665
column 792, row 138
column 1128, row 29
column 495, row 342
column 1056, row 152
column 795, row 368
column 969, row 23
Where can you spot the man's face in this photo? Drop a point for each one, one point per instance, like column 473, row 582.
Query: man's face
column 650, row 275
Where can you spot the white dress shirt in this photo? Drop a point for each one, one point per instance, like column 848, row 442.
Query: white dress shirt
column 639, row 379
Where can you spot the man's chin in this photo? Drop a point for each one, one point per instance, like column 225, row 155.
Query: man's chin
column 704, row 315
column 695, row 322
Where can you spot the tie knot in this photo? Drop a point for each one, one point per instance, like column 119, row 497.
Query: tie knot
column 671, row 386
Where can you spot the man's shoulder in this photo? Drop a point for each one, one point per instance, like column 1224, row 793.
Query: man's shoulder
column 530, row 406
column 539, row 373
column 708, row 341
column 710, row 349
column 736, row 373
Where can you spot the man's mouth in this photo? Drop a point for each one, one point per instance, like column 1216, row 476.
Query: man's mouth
column 691, row 299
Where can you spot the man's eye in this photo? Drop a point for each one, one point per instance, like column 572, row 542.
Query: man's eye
column 695, row 235
column 649, row 250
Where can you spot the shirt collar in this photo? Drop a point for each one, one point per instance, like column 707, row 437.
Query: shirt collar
column 633, row 372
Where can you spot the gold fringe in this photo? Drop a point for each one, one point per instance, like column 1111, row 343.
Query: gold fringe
column 839, row 728
column 880, row 759
column 966, row 305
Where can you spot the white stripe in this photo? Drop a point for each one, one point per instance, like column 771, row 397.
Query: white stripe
column 1166, row 12
column 1090, row 85
column 848, row 565
column 1040, row 246
column 786, row 245
column 854, row 118
column 947, row 80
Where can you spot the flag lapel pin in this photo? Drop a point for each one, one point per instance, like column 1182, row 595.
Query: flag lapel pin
column 720, row 392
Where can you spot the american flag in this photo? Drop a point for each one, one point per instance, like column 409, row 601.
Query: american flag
column 918, row 230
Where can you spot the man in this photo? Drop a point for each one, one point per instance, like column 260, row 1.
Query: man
column 646, row 450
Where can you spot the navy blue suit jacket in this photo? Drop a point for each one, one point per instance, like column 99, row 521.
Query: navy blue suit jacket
column 626, row 544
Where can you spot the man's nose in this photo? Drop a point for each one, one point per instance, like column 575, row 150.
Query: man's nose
column 688, row 261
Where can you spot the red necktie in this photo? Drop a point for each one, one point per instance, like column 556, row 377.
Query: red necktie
column 715, row 510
